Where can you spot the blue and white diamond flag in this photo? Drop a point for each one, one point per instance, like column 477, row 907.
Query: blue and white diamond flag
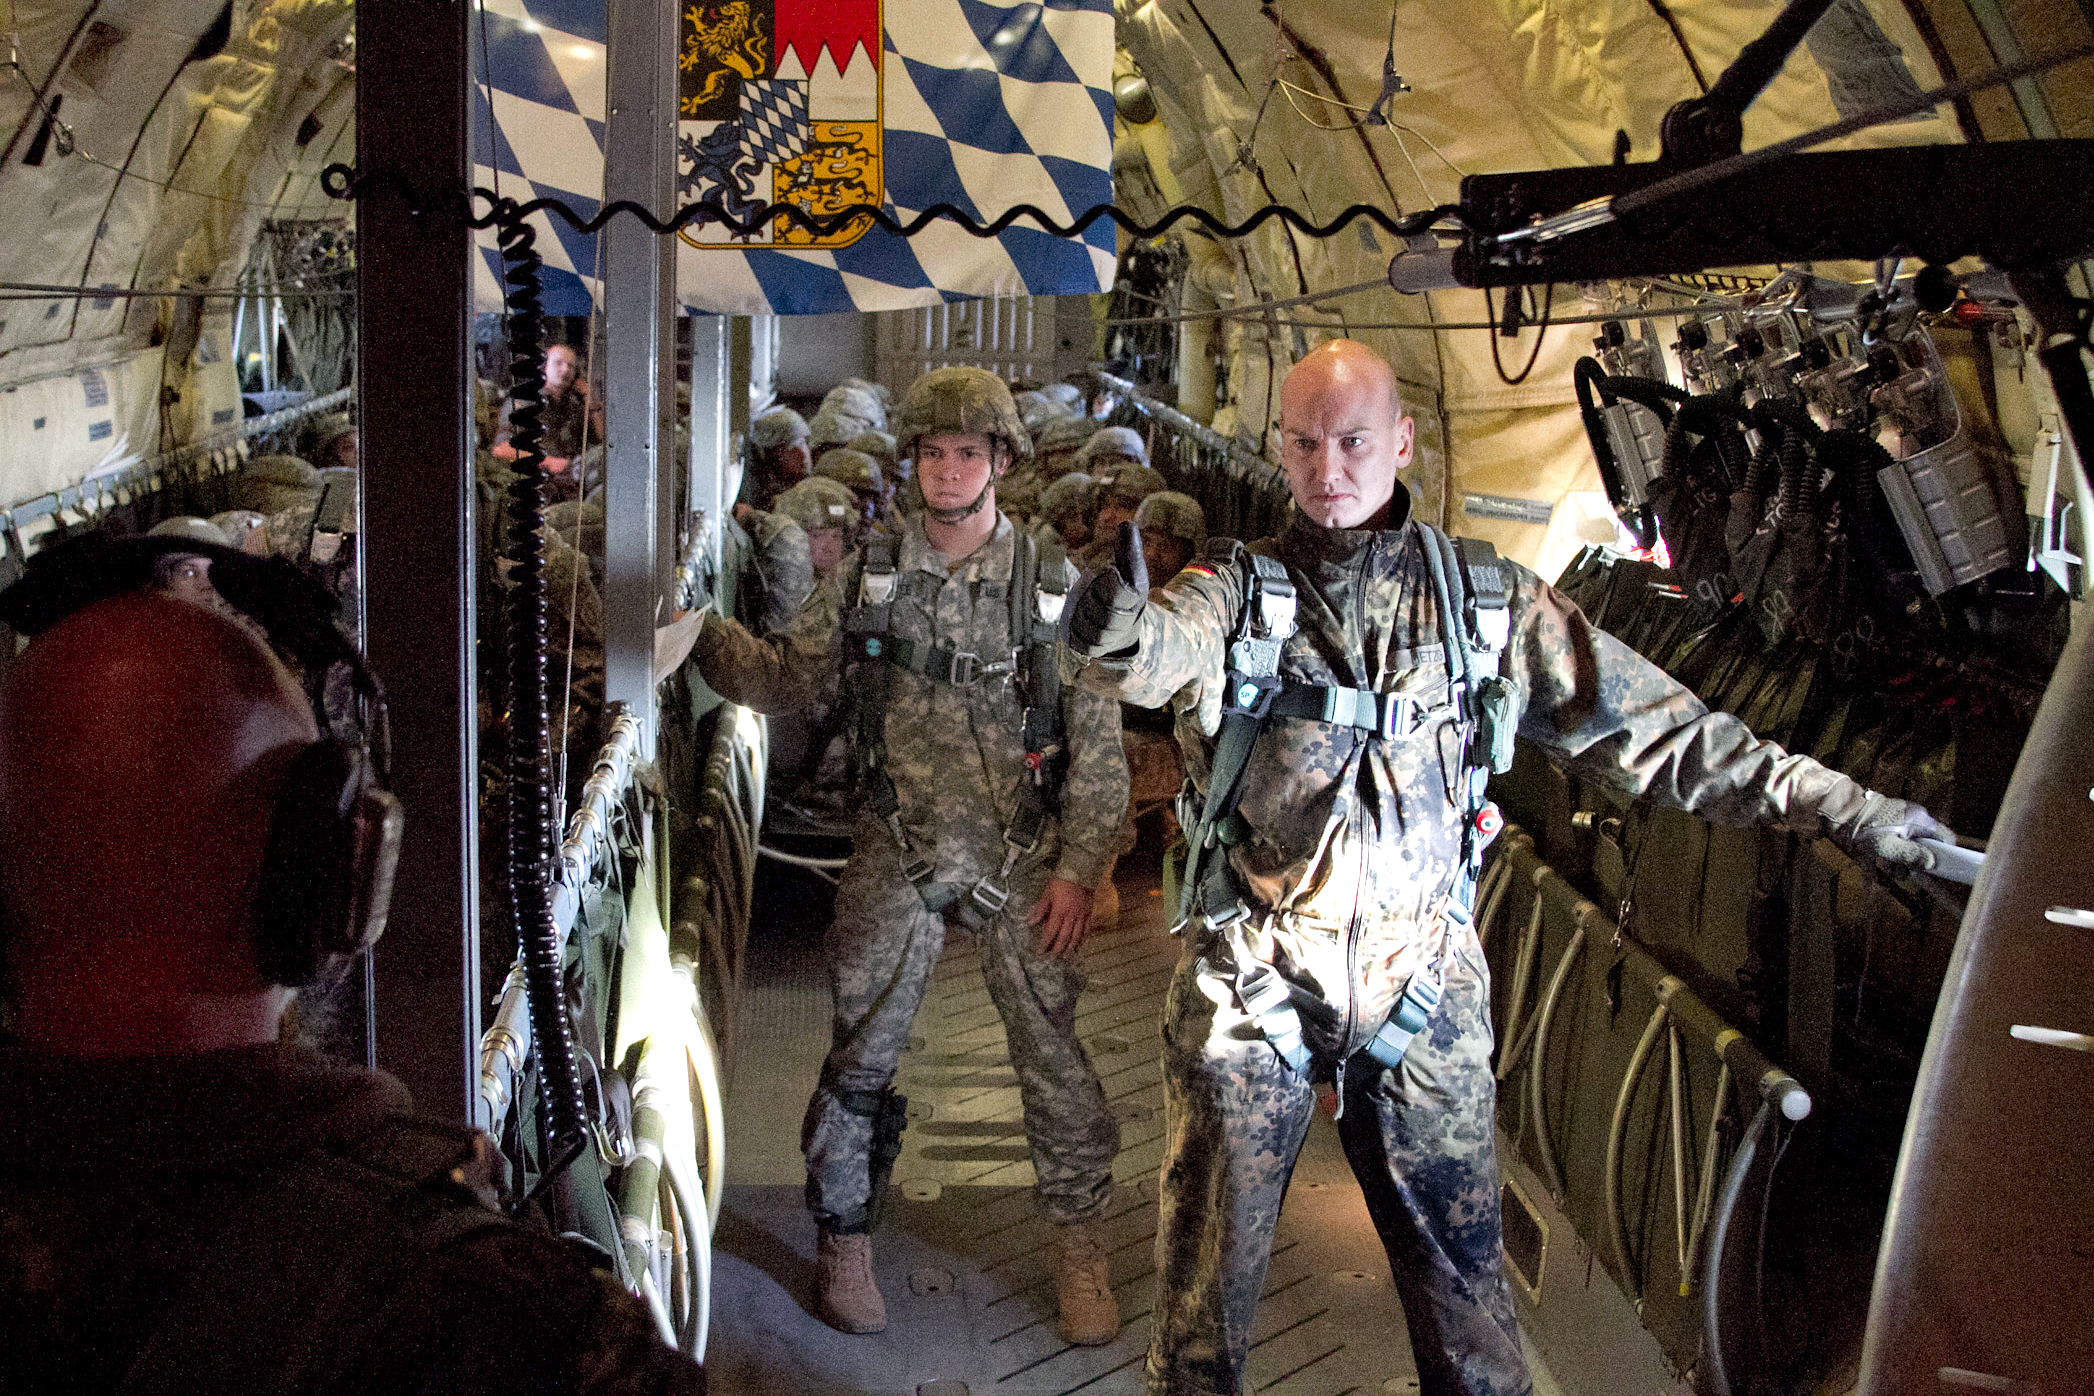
column 981, row 104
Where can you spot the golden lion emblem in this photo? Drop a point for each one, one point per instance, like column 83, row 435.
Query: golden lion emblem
column 725, row 38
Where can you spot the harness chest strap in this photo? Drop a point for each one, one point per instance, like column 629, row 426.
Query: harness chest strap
column 1037, row 591
column 1473, row 598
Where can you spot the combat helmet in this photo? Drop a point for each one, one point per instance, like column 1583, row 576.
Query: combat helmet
column 1179, row 515
column 238, row 525
column 961, row 399
column 858, row 406
column 1059, row 442
column 1123, row 442
column 818, row 502
column 777, row 428
column 1124, row 480
column 191, row 527
column 879, row 445
column 854, row 469
column 1070, row 494
column 272, row 484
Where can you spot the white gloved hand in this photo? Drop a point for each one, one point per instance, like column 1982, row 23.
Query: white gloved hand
column 1888, row 830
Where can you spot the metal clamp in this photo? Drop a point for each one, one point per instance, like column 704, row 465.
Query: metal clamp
column 915, row 866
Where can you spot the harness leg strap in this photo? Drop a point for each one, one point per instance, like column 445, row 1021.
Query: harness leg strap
column 1264, row 996
column 888, row 1109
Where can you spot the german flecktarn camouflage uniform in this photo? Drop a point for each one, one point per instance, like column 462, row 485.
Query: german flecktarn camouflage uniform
column 956, row 755
column 1349, row 845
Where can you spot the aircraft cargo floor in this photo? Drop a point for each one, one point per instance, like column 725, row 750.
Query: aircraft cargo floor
column 961, row 1257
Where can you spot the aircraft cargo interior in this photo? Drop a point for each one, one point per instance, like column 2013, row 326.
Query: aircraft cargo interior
column 1131, row 697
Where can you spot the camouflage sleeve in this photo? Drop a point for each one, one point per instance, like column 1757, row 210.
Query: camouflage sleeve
column 781, row 672
column 788, row 568
column 1094, row 795
column 1595, row 703
column 1183, row 648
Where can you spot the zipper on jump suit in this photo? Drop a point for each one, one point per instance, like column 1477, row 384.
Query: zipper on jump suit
column 1352, row 923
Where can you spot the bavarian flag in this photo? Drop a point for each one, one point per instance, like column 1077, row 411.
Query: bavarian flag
column 822, row 104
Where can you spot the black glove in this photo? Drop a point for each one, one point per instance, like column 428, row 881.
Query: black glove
column 1109, row 613
column 1888, row 829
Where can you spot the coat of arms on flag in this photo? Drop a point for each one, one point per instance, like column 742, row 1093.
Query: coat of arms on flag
column 779, row 103
column 904, row 105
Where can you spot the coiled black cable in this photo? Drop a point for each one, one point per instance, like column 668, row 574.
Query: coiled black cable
column 342, row 182
column 529, row 767
column 1854, row 457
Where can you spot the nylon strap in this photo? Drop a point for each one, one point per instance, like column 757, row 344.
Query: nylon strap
column 1393, row 716
column 1037, row 592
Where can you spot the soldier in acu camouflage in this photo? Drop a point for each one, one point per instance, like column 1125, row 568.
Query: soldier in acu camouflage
column 780, row 570
column 954, row 748
column 1348, row 846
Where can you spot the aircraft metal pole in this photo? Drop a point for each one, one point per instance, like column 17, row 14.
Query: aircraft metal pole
column 638, row 299
column 417, row 541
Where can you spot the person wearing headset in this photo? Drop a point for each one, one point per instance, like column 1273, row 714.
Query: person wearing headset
column 188, row 1203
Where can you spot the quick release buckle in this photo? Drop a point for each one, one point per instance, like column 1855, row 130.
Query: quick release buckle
column 1401, row 716
column 968, row 670
column 915, row 866
column 990, row 896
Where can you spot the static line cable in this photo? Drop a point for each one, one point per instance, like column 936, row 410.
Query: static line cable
column 40, row 291
column 1255, row 308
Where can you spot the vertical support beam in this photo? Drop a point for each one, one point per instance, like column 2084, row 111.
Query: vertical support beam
column 415, row 390
column 711, row 375
column 741, row 366
column 638, row 287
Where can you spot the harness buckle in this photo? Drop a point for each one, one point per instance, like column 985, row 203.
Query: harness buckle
column 967, row 669
column 915, row 866
column 1401, row 716
column 991, row 896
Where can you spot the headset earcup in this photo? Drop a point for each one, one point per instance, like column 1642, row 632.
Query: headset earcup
column 302, row 900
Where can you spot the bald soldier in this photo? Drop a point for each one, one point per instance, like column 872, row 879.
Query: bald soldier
column 1341, row 704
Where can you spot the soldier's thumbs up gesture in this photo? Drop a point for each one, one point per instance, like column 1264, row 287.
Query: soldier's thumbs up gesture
column 1108, row 614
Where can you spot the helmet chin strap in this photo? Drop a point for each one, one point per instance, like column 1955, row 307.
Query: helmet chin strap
column 953, row 516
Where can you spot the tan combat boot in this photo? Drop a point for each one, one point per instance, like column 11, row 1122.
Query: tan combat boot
column 850, row 1299
column 1082, row 1288
column 1105, row 902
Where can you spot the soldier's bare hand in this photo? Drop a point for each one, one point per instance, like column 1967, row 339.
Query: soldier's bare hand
column 1063, row 916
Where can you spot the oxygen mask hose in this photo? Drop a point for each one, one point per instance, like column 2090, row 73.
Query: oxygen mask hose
column 529, row 766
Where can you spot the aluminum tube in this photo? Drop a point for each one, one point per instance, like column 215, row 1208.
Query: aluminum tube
column 1522, row 977
column 1537, row 1083
column 1714, row 1365
column 1178, row 421
column 1617, row 1130
column 1746, row 1061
